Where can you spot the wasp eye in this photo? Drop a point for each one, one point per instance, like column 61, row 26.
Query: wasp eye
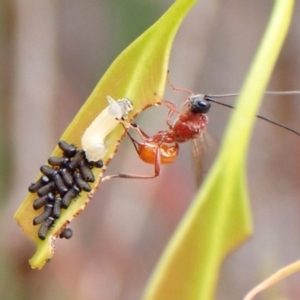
column 199, row 105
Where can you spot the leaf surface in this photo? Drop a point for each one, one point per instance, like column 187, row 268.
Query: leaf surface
column 219, row 219
column 138, row 73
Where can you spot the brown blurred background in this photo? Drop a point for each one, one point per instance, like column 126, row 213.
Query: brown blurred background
column 52, row 54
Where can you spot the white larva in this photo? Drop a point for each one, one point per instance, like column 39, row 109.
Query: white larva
column 93, row 139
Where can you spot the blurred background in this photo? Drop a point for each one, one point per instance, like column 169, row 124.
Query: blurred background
column 52, row 54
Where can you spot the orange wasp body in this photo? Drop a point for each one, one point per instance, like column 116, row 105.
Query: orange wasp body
column 163, row 147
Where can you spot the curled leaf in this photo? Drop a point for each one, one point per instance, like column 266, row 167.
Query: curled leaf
column 219, row 218
column 139, row 73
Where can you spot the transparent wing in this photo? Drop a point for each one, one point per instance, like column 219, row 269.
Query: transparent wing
column 204, row 150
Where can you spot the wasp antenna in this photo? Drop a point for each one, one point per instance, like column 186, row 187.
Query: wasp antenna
column 282, row 93
column 210, row 99
column 278, row 124
column 272, row 93
column 221, row 95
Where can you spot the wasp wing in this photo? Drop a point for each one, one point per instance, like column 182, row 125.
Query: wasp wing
column 204, row 150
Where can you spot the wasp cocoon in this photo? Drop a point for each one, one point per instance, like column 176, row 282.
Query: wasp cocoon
column 69, row 196
column 45, row 189
column 67, row 233
column 34, row 187
column 44, row 215
column 45, row 227
column 56, row 208
column 81, row 184
column 42, row 201
column 86, row 172
column 69, row 150
column 67, row 177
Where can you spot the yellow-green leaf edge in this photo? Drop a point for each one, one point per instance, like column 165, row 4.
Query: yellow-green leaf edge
column 138, row 73
column 219, row 218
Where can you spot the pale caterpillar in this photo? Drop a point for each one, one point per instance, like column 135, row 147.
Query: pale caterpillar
column 93, row 139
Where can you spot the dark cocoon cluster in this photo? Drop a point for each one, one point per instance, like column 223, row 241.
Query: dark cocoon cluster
column 61, row 183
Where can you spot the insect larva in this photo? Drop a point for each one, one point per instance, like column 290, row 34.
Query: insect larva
column 93, row 139
column 62, row 189
column 35, row 186
column 78, row 157
column 86, row 172
column 48, row 171
column 81, row 183
column 45, row 227
column 40, row 202
column 45, row 189
column 57, row 161
column 44, row 215
column 69, row 150
column 69, row 196
column 67, row 177
column 56, row 208
column 67, row 233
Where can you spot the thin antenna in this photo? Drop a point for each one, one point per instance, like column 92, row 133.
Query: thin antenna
column 276, row 93
column 209, row 99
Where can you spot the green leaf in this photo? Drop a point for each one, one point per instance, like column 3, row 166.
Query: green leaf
column 138, row 73
column 219, row 218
